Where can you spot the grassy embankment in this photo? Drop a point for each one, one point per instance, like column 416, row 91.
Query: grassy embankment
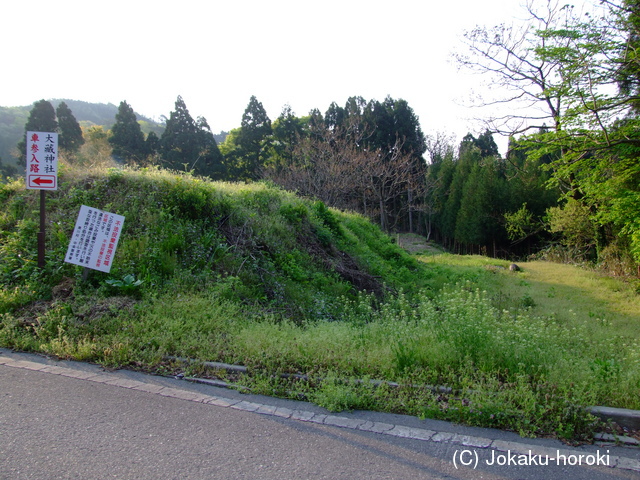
column 253, row 275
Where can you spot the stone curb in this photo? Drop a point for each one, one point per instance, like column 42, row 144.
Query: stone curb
column 514, row 448
column 622, row 416
column 626, row 418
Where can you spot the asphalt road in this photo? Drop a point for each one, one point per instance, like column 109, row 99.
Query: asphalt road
column 67, row 420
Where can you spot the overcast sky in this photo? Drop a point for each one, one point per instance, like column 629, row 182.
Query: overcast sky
column 216, row 54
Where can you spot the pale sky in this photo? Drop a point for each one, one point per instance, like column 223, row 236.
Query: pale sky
column 217, row 54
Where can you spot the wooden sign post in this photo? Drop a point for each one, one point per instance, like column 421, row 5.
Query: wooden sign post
column 42, row 174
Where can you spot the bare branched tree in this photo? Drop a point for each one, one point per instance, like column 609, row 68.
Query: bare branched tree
column 324, row 166
column 439, row 146
column 525, row 82
column 386, row 177
column 332, row 165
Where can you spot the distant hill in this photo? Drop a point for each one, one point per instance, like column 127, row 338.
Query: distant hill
column 104, row 114
column 13, row 119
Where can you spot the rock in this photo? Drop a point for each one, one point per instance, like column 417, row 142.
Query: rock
column 514, row 268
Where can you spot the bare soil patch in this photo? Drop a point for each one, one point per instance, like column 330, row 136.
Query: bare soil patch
column 414, row 244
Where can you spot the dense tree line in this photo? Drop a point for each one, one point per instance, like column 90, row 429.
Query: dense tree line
column 366, row 156
column 476, row 198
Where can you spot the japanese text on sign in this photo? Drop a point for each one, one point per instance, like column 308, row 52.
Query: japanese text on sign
column 42, row 161
column 95, row 238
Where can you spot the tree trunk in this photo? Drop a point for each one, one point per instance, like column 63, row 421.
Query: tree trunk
column 410, row 201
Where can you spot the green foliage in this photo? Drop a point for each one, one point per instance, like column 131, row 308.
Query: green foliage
column 70, row 132
column 573, row 221
column 127, row 285
column 42, row 118
column 247, row 147
column 294, row 214
column 388, row 121
column 152, row 143
column 338, row 394
column 287, row 132
column 126, row 136
column 188, row 145
column 472, row 195
column 520, row 223
column 327, row 218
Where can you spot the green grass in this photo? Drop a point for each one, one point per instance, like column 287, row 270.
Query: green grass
column 570, row 295
column 253, row 275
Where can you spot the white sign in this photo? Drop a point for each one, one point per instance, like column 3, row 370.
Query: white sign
column 95, row 238
column 42, row 161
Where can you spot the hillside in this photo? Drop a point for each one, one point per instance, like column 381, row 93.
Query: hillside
column 289, row 255
column 311, row 301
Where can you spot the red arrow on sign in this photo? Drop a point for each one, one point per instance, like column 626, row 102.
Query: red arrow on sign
column 43, row 182
column 39, row 181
